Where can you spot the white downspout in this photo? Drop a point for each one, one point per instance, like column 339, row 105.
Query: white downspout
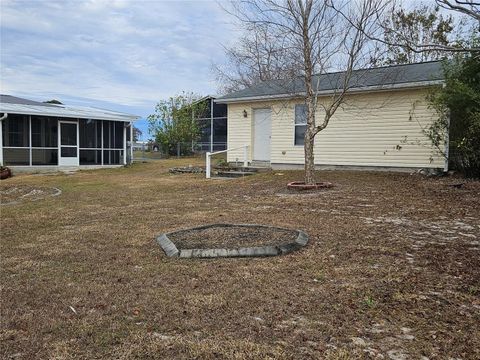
column 208, row 165
column 124, row 144
column 131, row 142
column 4, row 116
column 211, row 125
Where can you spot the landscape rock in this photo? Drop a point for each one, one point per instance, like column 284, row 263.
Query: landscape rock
column 359, row 341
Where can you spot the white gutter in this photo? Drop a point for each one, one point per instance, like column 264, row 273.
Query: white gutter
column 409, row 85
column 72, row 116
column 4, row 116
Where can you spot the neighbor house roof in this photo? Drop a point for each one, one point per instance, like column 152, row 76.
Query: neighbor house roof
column 381, row 78
column 15, row 105
column 9, row 99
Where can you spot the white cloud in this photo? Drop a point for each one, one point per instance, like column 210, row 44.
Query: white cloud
column 125, row 52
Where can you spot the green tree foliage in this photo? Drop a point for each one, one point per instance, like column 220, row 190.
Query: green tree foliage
column 422, row 34
column 173, row 122
column 458, row 106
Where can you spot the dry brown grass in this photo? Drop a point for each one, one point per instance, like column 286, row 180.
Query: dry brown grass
column 392, row 268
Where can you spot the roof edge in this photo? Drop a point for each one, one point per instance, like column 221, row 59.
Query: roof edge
column 31, row 107
column 374, row 88
column 383, row 67
column 125, row 118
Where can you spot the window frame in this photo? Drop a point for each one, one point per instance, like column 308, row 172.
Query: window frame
column 295, row 124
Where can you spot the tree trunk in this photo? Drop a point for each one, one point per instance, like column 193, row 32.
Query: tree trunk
column 309, row 157
column 309, row 98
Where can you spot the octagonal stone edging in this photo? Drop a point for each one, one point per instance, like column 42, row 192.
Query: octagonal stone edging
column 171, row 250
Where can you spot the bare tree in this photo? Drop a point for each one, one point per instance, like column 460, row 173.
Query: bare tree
column 470, row 8
column 317, row 36
column 137, row 133
column 259, row 55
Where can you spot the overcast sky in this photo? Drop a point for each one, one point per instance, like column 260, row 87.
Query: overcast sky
column 117, row 54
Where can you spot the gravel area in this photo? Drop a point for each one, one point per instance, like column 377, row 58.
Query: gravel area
column 231, row 237
column 13, row 194
column 186, row 170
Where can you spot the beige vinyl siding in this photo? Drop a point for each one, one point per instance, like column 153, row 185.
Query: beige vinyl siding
column 239, row 128
column 371, row 129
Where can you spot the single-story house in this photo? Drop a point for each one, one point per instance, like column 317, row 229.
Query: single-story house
column 36, row 135
column 379, row 126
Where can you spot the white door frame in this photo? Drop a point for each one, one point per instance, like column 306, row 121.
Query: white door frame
column 68, row 161
column 265, row 141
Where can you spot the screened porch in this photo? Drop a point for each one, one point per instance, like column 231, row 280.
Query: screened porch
column 32, row 140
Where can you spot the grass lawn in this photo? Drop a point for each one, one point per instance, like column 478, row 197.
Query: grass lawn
column 392, row 268
column 147, row 155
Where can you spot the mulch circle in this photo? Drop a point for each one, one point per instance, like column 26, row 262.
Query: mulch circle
column 231, row 237
column 14, row 194
column 232, row 240
column 298, row 185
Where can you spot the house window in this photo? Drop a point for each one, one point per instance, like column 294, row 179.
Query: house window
column 300, row 123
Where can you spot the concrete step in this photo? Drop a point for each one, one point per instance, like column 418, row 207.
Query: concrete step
column 260, row 163
column 259, row 169
column 234, row 174
column 231, row 168
column 255, row 169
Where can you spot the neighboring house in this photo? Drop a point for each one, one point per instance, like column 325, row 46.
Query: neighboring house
column 41, row 135
column 140, row 145
column 213, row 125
column 153, row 146
column 380, row 125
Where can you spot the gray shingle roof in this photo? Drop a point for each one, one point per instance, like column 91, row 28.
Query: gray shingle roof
column 9, row 99
column 375, row 77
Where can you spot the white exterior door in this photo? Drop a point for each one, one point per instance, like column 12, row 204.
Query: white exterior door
column 68, row 143
column 262, row 134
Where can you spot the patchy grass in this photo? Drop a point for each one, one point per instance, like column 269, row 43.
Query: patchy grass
column 147, row 155
column 392, row 268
